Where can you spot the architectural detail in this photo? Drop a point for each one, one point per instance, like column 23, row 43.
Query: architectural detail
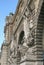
column 24, row 35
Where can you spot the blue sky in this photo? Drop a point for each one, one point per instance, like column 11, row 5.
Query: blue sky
column 6, row 6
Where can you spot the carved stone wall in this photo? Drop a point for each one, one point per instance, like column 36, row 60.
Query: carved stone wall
column 4, row 56
column 24, row 31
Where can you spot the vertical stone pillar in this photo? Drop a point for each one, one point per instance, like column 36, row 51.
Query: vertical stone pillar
column 4, row 57
column 7, row 34
column 28, row 35
column 26, row 27
column 18, row 57
column 26, row 31
column 8, row 29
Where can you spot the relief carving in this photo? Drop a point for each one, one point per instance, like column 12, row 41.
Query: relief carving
column 24, row 44
column 30, row 9
column 21, row 6
column 30, row 38
column 31, row 5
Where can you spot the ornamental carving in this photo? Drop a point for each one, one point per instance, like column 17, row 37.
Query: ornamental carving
column 30, row 9
column 21, row 6
column 30, row 38
column 31, row 5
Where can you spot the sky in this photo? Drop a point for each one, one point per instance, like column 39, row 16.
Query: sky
column 6, row 6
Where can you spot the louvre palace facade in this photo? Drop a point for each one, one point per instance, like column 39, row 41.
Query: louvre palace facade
column 24, row 35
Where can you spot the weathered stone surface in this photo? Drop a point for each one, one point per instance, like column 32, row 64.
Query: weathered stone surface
column 24, row 35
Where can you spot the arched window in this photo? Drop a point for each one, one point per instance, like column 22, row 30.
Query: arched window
column 21, row 38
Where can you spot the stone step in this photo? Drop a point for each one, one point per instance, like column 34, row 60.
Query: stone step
column 37, row 46
column 41, row 22
column 38, row 49
column 39, row 28
column 39, row 56
column 39, row 31
column 38, row 53
column 42, row 12
column 39, row 37
column 42, row 7
column 38, row 40
column 41, row 16
column 41, row 25
column 38, row 43
column 41, row 19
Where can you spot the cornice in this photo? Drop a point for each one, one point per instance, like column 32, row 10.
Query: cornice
column 13, row 18
column 7, row 25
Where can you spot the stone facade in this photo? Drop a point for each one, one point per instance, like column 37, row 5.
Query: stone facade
column 24, row 35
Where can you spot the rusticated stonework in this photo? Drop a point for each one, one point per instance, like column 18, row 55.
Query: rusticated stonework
column 24, row 35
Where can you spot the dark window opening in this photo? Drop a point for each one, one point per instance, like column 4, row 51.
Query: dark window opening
column 21, row 38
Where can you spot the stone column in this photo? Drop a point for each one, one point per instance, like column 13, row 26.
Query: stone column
column 28, row 25
column 12, row 56
column 8, row 29
column 4, row 57
column 7, row 34
column 26, row 28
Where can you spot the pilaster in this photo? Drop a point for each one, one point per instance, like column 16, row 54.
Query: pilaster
column 4, row 56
